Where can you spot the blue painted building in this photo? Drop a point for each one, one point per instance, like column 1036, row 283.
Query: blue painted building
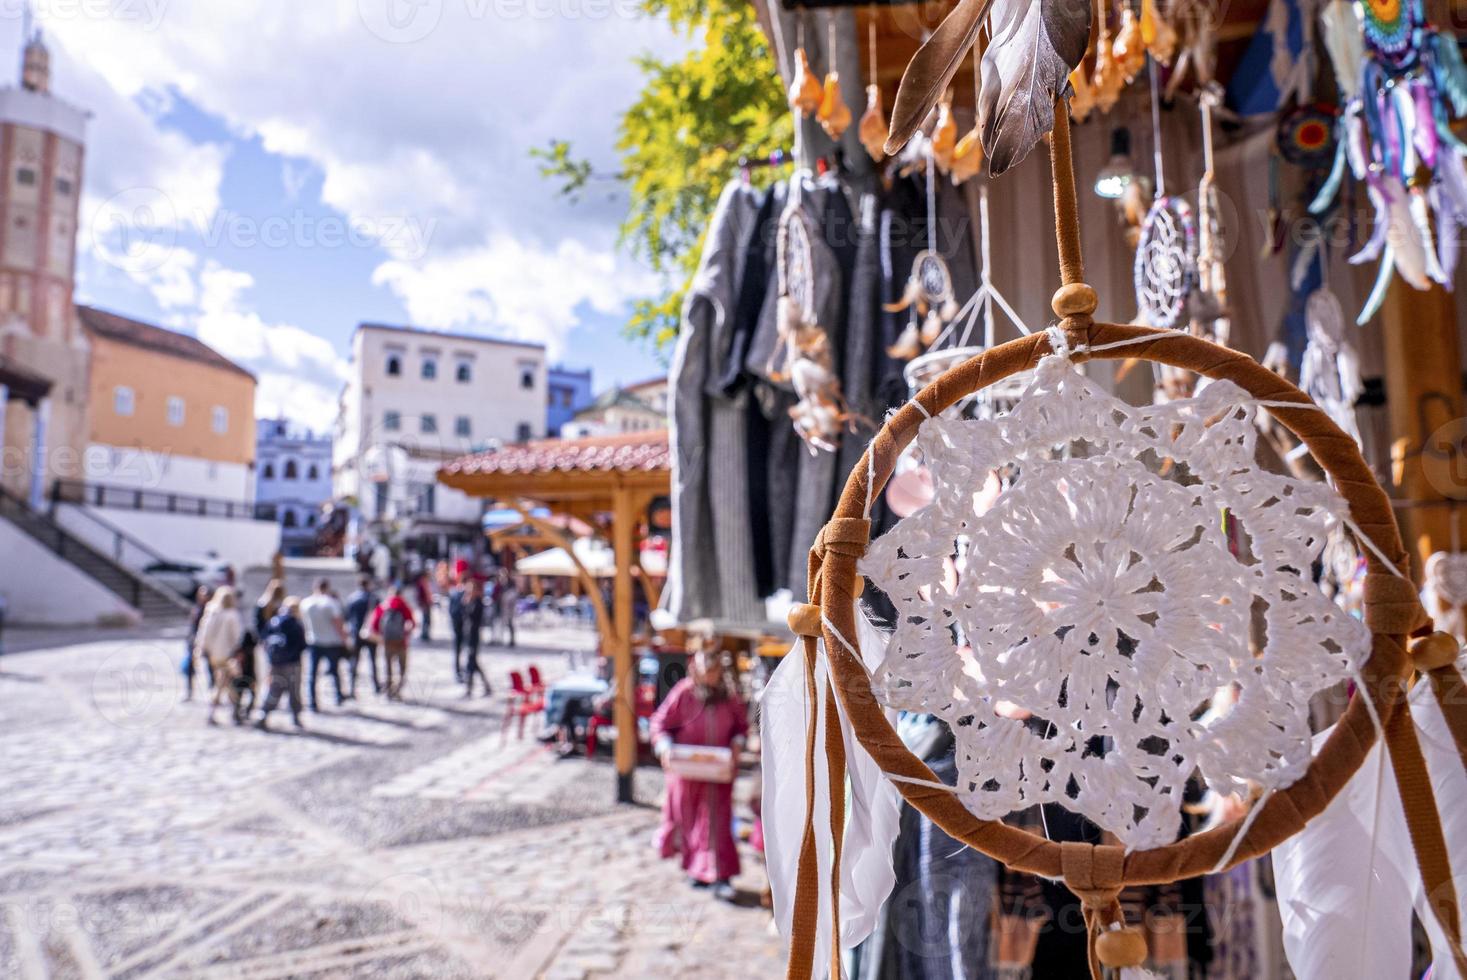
column 292, row 481
column 567, row 391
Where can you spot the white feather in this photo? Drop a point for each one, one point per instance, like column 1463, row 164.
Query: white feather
column 873, row 811
column 1348, row 882
column 1344, row 40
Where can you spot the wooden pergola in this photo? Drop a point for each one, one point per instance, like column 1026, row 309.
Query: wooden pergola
column 610, row 478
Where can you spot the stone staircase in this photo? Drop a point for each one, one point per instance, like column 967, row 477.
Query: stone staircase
column 152, row 600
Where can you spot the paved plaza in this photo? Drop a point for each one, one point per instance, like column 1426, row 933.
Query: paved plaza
column 388, row 840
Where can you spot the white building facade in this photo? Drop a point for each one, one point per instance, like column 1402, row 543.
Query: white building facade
column 292, row 481
column 416, row 398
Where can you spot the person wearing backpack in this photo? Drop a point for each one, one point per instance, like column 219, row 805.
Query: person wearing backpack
column 284, row 642
column 393, row 622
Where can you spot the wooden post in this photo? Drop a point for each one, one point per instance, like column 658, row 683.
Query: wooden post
column 623, row 525
column 1424, row 401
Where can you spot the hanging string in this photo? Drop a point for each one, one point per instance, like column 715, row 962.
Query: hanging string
column 871, row 45
column 931, row 200
column 1156, row 125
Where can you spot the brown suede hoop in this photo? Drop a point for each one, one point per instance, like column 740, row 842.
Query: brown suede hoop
column 1392, row 611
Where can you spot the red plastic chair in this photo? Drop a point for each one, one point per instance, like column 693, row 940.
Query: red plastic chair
column 520, row 703
column 537, row 683
column 646, row 708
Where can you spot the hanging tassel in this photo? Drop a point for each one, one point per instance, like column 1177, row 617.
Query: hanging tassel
column 908, row 345
column 834, row 115
column 872, row 129
column 944, row 136
column 1449, row 72
column 805, row 91
column 1377, row 296
column 1345, row 42
column 1417, row 205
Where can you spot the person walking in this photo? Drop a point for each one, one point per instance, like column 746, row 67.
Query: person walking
column 473, row 626
column 392, row 623
column 507, row 597
column 456, row 598
column 217, row 641
column 359, row 606
column 425, row 603
column 195, row 616
column 697, row 816
column 285, row 643
column 325, row 627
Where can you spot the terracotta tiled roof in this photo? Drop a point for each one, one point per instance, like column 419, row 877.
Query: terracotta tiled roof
column 146, row 335
column 630, row 452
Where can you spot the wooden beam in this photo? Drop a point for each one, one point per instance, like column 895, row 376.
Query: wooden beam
column 1424, row 402
column 623, row 527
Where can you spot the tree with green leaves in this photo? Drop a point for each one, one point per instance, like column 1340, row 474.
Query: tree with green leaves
column 681, row 142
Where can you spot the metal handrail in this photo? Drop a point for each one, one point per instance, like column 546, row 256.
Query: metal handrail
column 157, row 501
column 119, row 536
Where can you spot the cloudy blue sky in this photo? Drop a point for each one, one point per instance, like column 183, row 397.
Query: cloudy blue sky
column 269, row 173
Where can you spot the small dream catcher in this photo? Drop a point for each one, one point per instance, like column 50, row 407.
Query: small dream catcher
column 1165, row 272
column 1109, row 593
column 928, row 294
column 803, row 357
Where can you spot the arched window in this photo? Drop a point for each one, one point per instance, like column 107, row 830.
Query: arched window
column 269, row 472
column 288, row 520
column 394, row 365
column 313, row 473
column 465, row 371
column 310, row 520
column 291, row 471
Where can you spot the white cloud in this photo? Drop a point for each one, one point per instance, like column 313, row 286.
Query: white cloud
column 436, row 131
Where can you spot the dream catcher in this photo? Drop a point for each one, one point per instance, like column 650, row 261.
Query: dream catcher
column 803, row 356
column 1402, row 87
column 1329, row 372
column 1103, row 595
column 928, row 296
column 1165, row 271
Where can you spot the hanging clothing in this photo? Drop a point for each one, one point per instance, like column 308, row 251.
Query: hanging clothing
column 694, row 590
column 863, row 350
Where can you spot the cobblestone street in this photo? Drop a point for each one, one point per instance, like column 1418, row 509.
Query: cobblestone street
column 384, row 840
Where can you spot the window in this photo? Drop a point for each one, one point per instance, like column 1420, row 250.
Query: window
column 428, row 424
column 292, row 472
column 313, row 473
column 527, row 378
column 26, row 177
column 523, row 432
column 122, row 400
column 280, row 428
column 63, row 187
column 269, row 472
column 221, row 419
column 392, row 421
column 464, row 372
column 462, row 426
column 394, row 366
column 310, row 520
column 288, row 520
column 430, row 368
column 175, row 410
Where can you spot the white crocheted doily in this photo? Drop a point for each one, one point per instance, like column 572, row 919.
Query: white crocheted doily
column 1110, row 591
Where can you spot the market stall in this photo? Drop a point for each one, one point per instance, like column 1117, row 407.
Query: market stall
column 607, row 481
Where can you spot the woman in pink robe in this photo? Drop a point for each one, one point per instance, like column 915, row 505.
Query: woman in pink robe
column 697, row 817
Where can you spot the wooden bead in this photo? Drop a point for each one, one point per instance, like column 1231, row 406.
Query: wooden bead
column 804, row 619
column 1076, row 299
column 1437, row 650
column 1120, row 948
column 858, row 585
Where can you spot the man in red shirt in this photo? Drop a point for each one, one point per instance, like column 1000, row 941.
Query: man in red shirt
column 393, row 622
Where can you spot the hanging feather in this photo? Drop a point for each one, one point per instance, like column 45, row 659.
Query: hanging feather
column 1036, row 44
column 872, row 128
column 1449, row 72
column 872, row 823
column 805, row 91
column 908, row 345
column 1159, row 36
column 1354, row 864
column 967, row 157
column 944, row 136
column 1109, row 79
column 1417, row 205
column 1129, row 48
column 932, row 68
column 833, row 115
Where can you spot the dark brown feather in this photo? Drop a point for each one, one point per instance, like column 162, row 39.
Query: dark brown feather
column 1036, row 44
column 932, row 68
